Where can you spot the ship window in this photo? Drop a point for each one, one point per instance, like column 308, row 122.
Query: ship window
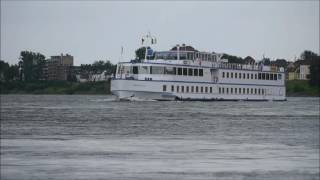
column 262, row 91
column 197, row 89
column 251, row 91
column 227, row 74
column 157, row 70
column 259, row 91
column 279, row 76
column 179, row 71
column 190, row 72
column 195, row 72
column 263, row 76
column 187, row 89
column 255, row 76
column 275, row 76
column 235, row 90
column 201, row 89
column 200, row 72
column 206, row 89
column 222, row 90
column 247, row 90
column 177, row 88
column 259, row 75
column 232, row 75
column 219, row 90
column 182, row 88
column 255, row 91
column 271, row 76
column 248, row 76
column 170, row 70
column 192, row 89
column 244, row 75
column 223, row 74
column 143, row 70
column 164, row 88
column 185, row 71
column 135, row 70
column 231, row 90
column 267, row 76
column 210, row 89
column 235, row 75
column 227, row 90
column 239, row 90
column 172, row 88
column 251, row 76
column 239, row 75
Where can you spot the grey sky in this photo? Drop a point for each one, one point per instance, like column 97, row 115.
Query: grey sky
column 96, row 30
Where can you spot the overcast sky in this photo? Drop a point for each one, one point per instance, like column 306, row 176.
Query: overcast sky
column 96, row 30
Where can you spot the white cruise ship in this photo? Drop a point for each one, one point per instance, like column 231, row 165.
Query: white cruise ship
column 184, row 73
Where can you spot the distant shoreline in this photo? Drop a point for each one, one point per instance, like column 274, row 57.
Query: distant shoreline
column 294, row 88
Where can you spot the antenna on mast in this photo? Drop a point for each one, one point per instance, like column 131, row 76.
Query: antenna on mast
column 147, row 41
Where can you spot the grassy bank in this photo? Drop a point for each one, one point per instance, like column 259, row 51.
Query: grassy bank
column 54, row 87
column 301, row 88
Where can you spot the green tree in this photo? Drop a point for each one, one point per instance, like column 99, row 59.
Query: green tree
column 249, row 60
column 140, row 53
column 233, row 59
column 32, row 64
column 313, row 60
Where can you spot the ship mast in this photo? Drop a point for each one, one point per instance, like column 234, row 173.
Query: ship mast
column 147, row 41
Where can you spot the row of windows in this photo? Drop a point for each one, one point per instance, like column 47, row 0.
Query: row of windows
column 222, row 90
column 263, row 76
column 256, row 91
column 188, row 89
column 167, row 70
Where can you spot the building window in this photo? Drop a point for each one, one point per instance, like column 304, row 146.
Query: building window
column 210, row 89
column 195, row 72
column 222, row 74
column 190, row 72
column 164, row 88
column 172, row 88
column 200, row 72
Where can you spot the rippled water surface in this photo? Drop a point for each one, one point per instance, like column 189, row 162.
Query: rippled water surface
column 95, row 137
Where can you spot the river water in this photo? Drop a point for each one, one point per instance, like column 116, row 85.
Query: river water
column 96, row 137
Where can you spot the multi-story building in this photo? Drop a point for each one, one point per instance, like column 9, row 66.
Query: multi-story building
column 60, row 67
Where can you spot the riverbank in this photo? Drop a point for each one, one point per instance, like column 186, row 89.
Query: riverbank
column 55, row 87
column 294, row 88
column 300, row 88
